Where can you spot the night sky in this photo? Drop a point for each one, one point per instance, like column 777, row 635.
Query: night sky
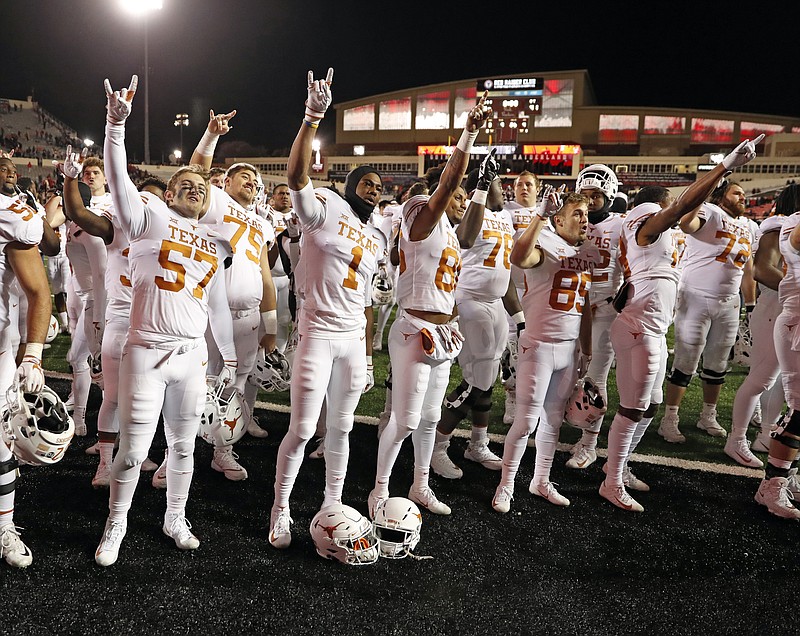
column 253, row 55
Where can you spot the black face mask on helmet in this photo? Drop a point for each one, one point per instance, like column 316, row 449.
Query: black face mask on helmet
column 362, row 208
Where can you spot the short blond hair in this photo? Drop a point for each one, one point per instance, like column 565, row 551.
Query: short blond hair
column 194, row 169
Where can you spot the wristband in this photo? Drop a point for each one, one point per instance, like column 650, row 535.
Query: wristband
column 479, row 197
column 518, row 317
column 466, row 140
column 207, row 144
column 310, row 123
column 369, row 362
column 270, row 320
column 314, row 114
column 34, row 350
column 749, row 308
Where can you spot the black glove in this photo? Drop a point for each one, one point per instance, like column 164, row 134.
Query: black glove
column 487, row 172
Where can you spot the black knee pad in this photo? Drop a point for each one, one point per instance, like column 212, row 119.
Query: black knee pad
column 651, row 410
column 462, row 399
column 788, row 430
column 713, row 377
column 8, row 465
column 484, row 402
column 679, row 378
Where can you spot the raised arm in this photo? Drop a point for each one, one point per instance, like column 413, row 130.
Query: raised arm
column 74, row 209
column 318, row 101
column 526, row 253
column 470, row 226
column 218, row 125
column 453, row 173
column 684, row 208
column 128, row 204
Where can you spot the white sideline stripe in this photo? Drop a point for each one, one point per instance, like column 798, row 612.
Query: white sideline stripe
column 673, row 462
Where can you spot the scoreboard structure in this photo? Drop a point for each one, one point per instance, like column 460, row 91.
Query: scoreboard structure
column 515, row 102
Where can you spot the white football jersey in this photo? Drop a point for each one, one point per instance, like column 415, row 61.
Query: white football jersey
column 173, row 260
column 338, row 257
column 716, row 254
column 607, row 276
column 429, row 268
column 768, row 225
column 19, row 223
column 118, row 272
column 247, row 234
column 789, row 289
column 485, row 267
column 82, row 248
column 521, row 218
column 652, row 271
column 557, row 290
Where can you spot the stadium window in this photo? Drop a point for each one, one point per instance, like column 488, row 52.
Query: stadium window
column 359, row 118
column 433, row 111
column 466, row 98
column 395, row 114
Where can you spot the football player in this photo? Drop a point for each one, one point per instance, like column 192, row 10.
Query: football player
column 649, row 243
column 522, row 208
column 21, row 230
column 483, row 296
column 423, row 339
column 599, row 183
column 717, row 264
column 557, row 261
column 764, row 368
column 177, row 289
column 339, row 251
column 776, row 489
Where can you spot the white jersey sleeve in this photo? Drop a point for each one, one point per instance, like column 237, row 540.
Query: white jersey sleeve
column 19, row 222
column 789, row 289
column 607, row 276
column 128, row 205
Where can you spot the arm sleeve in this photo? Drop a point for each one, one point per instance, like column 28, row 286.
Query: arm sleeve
column 219, row 316
column 310, row 210
column 128, row 205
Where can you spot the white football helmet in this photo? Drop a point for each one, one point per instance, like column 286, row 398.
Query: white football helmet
column 52, row 329
column 225, row 416
column 397, row 524
column 586, row 405
column 342, row 533
column 36, row 427
column 598, row 176
column 272, row 373
column 382, row 287
column 96, row 369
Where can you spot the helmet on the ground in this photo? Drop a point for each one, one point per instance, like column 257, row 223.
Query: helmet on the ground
column 342, row 533
column 36, row 427
column 397, row 524
column 585, row 405
column 273, row 373
column 742, row 346
column 225, row 416
column 598, row 176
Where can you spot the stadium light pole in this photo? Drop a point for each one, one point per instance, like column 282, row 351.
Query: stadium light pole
column 141, row 8
column 181, row 121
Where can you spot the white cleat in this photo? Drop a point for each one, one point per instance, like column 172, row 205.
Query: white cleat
column 108, row 550
column 178, row 528
column 160, row 476
column 374, row 502
column 502, row 499
column 479, row 453
column 775, row 495
column 668, row 429
column 739, row 451
column 442, row 465
column 319, row 451
column 12, row 549
column 582, row 457
column 254, row 429
column 224, row 462
column 102, row 478
column 548, row 491
column 428, row 500
column 280, row 528
column 711, row 426
column 620, row 498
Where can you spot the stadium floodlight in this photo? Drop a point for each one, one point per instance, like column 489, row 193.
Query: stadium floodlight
column 142, row 8
column 178, row 154
column 88, row 142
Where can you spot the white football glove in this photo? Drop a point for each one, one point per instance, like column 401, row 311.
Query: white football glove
column 742, row 154
column 228, row 373
column 292, row 225
column 550, row 203
column 118, row 105
column 73, row 163
column 30, row 375
column 319, row 95
column 370, row 376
